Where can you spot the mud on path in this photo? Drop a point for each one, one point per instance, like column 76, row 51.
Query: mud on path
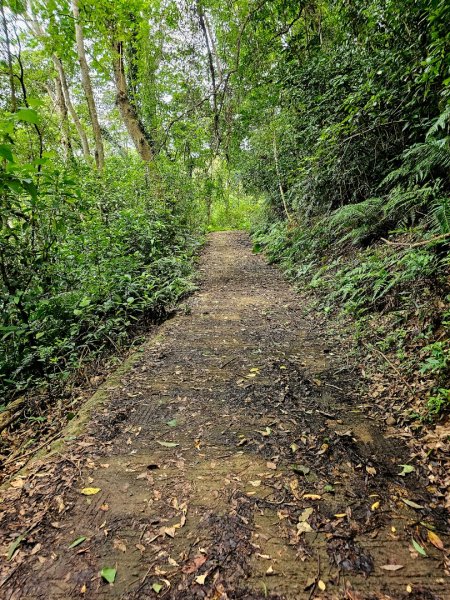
column 234, row 460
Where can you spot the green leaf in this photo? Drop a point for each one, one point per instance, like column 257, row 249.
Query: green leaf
column 157, row 587
column 28, row 115
column 14, row 545
column 411, row 503
column 167, row 444
column 108, row 574
column 418, row 547
column 300, row 469
column 406, row 469
column 6, row 153
column 172, row 423
column 78, row 541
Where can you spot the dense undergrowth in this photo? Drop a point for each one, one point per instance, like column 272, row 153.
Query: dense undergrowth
column 357, row 195
column 86, row 262
column 397, row 297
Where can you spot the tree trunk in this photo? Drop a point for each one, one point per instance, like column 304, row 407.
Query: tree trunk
column 87, row 86
column 63, row 118
column 9, row 60
column 73, row 113
column 127, row 110
column 212, row 71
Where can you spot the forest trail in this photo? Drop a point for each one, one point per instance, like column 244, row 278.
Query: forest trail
column 233, row 460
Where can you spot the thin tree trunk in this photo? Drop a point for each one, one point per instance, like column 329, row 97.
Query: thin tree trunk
column 87, row 86
column 9, row 60
column 212, row 72
column 73, row 113
column 127, row 109
column 63, row 118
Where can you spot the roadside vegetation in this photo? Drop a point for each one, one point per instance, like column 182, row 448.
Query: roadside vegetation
column 357, row 204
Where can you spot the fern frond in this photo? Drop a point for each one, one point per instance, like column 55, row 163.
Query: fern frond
column 441, row 122
column 439, row 217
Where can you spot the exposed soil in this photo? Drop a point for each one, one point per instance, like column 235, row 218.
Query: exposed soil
column 234, row 459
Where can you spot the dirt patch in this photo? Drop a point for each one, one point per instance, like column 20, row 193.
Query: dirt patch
column 234, row 459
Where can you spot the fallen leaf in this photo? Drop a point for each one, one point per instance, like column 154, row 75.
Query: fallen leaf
column 270, row 571
column 83, row 589
column 435, row 540
column 108, row 574
column 157, row 587
column 90, row 491
column 406, row 469
column 170, row 531
column 300, row 469
column 256, row 483
column 17, row 483
column 78, row 541
column 36, row 549
column 371, row 470
column 312, row 496
column 59, row 501
column 411, row 503
column 271, row 465
column 321, row 585
column 194, row 565
column 340, row 515
column 167, row 444
column 172, row 423
column 375, row 505
column 323, row 449
column 418, row 547
column 294, row 448
column 306, row 514
column 267, row 431
column 303, row 527
column 14, row 546
column 119, row 545
column 200, row 579
column 391, row 567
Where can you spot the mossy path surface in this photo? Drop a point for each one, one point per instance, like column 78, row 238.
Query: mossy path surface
column 232, row 459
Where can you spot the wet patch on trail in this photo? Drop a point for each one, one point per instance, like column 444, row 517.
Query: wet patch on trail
column 236, row 460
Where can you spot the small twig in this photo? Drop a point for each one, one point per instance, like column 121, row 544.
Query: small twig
column 33, row 451
column 416, row 244
column 227, row 362
column 313, row 589
column 370, row 347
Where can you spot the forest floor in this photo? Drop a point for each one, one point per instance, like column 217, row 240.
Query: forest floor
column 233, row 457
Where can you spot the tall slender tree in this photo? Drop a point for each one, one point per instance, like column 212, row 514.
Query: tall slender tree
column 87, row 86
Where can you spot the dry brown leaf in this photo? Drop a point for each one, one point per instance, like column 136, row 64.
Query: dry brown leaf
column 119, row 545
column 435, row 540
column 391, row 567
column 194, row 565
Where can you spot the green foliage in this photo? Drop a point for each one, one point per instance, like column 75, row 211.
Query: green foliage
column 237, row 212
column 82, row 265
